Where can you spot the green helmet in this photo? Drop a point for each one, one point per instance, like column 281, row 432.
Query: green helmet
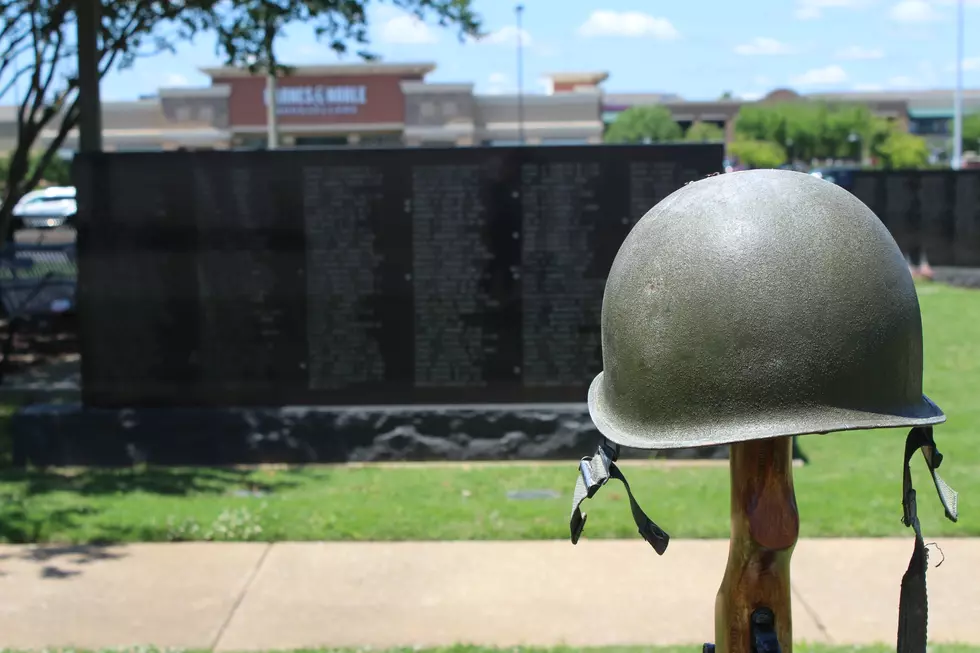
column 758, row 304
column 761, row 304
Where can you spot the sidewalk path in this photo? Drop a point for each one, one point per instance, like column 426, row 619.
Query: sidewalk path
column 237, row 597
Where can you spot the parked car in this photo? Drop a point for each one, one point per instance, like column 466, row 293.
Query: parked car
column 841, row 176
column 47, row 208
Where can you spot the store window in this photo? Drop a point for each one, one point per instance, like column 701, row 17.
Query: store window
column 381, row 140
column 564, row 141
column 321, row 141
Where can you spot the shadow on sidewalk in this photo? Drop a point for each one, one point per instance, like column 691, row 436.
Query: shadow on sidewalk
column 58, row 562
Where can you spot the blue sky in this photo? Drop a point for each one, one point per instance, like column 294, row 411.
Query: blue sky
column 696, row 48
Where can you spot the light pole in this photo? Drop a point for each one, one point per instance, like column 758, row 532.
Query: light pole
column 272, row 110
column 519, row 9
column 957, row 160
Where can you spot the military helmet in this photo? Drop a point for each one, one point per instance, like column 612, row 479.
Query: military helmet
column 758, row 304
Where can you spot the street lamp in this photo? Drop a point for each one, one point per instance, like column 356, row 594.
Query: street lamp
column 519, row 10
column 957, row 160
column 853, row 139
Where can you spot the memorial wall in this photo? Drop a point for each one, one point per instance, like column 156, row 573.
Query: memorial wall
column 356, row 277
column 935, row 213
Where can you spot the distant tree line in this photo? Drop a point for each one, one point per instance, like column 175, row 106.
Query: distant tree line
column 797, row 132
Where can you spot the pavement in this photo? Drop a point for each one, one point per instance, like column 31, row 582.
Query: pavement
column 256, row 596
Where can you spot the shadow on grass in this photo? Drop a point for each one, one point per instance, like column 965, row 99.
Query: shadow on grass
column 178, row 481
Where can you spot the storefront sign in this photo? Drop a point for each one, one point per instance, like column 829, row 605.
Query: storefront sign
column 318, row 100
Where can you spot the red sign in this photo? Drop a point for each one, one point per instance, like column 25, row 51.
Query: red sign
column 304, row 100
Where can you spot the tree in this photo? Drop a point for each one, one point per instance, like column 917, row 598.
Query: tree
column 971, row 133
column 810, row 130
column 705, row 132
column 247, row 30
column 644, row 124
column 901, row 150
column 758, row 153
column 38, row 50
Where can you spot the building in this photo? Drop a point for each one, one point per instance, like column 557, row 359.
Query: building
column 346, row 105
column 384, row 104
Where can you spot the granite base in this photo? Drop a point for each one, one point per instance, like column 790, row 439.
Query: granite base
column 70, row 434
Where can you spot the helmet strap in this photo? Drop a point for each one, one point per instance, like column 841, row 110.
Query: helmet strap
column 913, row 606
column 594, row 471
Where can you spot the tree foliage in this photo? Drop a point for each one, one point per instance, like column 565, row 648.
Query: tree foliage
column 971, row 133
column 811, row 131
column 56, row 172
column 38, row 53
column 814, row 130
column 38, row 67
column 247, row 30
column 903, row 150
column 644, row 124
column 705, row 132
column 758, row 153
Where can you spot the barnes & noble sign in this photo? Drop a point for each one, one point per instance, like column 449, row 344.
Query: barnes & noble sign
column 318, row 100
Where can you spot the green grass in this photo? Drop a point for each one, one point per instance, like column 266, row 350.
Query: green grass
column 852, row 486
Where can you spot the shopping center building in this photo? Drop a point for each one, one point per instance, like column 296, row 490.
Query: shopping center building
column 385, row 104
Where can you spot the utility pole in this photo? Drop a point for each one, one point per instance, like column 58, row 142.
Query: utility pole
column 520, row 73
column 88, row 22
column 957, row 160
column 271, row 110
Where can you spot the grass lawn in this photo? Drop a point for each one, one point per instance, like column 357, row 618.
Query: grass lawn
column 852, row 486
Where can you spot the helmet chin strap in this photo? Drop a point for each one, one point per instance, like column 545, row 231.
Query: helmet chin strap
column 913, row 606
column 913, row 609
column 594, row 471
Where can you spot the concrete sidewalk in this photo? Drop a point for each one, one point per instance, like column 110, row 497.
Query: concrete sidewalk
column 260, row 597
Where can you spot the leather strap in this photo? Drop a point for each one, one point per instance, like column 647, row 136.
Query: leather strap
column 913, row 606
column 594, row 471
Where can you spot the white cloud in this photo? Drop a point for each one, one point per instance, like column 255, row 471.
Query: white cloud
column 811, row 9
column 175, row 79
column 858, row 52
column 913, row 11
column 750, row 96
column 820, row 76
column 763, row 46
column 401, row 28
column 508, row 35
column 632, row 24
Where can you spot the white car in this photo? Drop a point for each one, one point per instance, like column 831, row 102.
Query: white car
column 47, row 208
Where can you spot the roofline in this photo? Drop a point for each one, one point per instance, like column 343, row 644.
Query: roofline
column 587, row 96
column 216, row 90
column 338, row 70
column 413, row 86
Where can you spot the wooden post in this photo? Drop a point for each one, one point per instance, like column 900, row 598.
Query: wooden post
column 765, row 527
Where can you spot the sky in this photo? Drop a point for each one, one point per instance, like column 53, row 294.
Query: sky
column 697, row 49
